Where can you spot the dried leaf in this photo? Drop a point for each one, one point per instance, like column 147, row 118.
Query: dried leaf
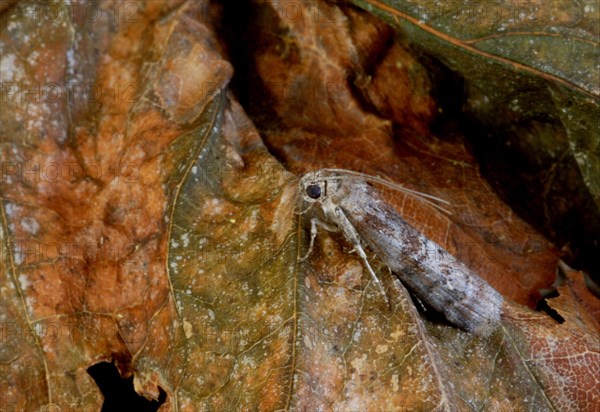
column 148, row 224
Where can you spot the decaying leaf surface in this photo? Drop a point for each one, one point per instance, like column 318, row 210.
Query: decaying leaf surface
column 563, row 359
column 169, row 241
column 85, row 200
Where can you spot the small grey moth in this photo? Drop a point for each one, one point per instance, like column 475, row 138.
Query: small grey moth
column 350, row 204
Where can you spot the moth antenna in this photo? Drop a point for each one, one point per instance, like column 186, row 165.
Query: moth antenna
column 424, row 197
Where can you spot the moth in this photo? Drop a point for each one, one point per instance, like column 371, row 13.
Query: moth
column 349, row 203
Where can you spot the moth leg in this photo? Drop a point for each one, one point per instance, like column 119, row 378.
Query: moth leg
column 423, row 307
column 314, row 222
column 358, row 248
column 353, row 237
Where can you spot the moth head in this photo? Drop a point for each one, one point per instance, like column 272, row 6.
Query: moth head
column 316, row 188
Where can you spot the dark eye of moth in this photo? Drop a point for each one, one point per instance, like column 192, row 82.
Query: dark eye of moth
column 313, row 191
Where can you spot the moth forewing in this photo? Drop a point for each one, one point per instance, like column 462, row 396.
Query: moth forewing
column 431, row 273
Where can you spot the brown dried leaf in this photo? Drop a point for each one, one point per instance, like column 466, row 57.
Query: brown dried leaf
column 170, row 244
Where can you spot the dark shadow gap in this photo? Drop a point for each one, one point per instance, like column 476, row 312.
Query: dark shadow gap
column 542, row 306
column 118, row 392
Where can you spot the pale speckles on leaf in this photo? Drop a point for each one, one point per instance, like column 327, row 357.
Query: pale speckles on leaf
column 12, row 208
column 188, row 329
column 18, row 257
column 248, row 361
column 307, row 342
column 395, row 381
column 185, row 239
column 24, row 282
column 10, row 71
column 214, row 205
column 30, row 302
column 381, row 349
column 359, row 363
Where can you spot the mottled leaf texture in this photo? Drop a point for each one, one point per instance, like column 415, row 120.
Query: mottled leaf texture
column 150, row 216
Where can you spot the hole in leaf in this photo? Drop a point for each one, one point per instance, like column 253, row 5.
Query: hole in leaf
column 118, row 392
column 542, row 306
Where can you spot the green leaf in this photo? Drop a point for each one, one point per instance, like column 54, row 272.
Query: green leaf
column 522, row 61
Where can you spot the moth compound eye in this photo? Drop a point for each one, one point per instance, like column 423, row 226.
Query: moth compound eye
column 313, row 191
